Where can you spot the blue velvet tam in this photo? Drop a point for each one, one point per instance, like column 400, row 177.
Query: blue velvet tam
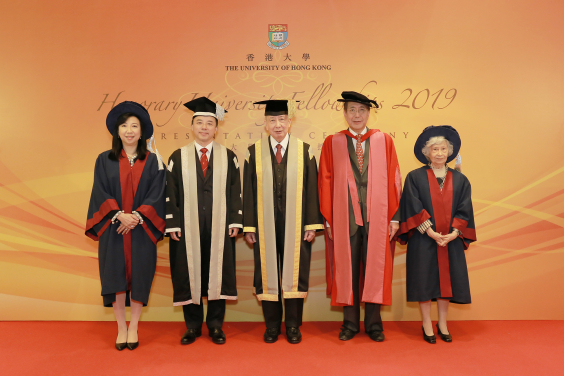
column 446, row 131
column 136, row 109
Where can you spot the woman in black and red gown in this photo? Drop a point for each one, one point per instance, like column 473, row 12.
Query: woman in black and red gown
column 438, row 226
column 126, row 216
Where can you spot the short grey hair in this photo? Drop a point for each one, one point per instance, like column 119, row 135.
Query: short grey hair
column 435, row 141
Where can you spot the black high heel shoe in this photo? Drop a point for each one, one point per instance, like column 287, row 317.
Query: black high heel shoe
column 431, row 339
column 133, row 345
column 444, row 337
column 121, row 346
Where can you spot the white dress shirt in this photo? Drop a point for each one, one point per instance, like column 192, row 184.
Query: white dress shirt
column 354, row 139
column 284, row 143
column 199, row 149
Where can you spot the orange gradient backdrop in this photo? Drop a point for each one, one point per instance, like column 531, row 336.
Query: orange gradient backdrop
column 492, row 69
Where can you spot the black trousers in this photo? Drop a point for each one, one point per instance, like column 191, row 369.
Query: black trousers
column 294, row 307
column 194, row 313
column 372, row 318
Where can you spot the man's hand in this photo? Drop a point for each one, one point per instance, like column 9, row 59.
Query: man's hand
column 233, row 232
column 328, row 229
column 175, row 235
column 309, row 235
column 394, row 227
column 250, row 237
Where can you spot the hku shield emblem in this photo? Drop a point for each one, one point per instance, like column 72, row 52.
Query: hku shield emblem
column 278, row 35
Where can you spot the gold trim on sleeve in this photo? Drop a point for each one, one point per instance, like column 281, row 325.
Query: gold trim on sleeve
column 313, row 227
column 249, row 229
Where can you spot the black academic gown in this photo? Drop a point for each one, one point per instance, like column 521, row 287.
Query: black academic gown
column 310, row 216
column 436, row 272
column 175, row 212
column 127, row 262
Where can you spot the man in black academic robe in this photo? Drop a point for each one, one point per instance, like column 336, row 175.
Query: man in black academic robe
column 280, row 217
column 203, row 217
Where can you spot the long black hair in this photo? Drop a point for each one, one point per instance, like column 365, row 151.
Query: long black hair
column 117, row 145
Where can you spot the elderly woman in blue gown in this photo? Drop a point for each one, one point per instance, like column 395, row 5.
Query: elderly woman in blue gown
column 437, row 223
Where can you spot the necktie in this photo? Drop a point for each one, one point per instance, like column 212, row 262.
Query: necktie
column 204, row 160
column 279, row 153
column 359, row 152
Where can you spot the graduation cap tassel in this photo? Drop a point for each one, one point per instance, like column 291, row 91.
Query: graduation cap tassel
column 291, row 108
column 156, row 151
column 219, row 112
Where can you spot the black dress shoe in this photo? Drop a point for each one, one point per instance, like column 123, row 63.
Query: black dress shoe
column 376, row 335
column 293, row 335
column 190, row 336
column 444, row 337
column 431, row 339
column 271, row 335
column 217, row 336
column 346, row 334
column 121, row 346
column 133, row 345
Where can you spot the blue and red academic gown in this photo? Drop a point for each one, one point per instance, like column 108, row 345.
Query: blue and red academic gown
column 431, row 271
column 127, row 262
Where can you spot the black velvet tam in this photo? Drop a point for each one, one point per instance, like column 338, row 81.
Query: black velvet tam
column 353, row 96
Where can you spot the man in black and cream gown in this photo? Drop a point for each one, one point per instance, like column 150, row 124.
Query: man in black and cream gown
column 204, row 214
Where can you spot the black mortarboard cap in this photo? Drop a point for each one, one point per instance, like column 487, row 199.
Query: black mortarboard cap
column 275, row 107
column 205, row 107
column 353, row 96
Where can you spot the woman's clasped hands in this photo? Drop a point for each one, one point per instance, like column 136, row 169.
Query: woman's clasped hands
column 442, row 240
column 128, row 223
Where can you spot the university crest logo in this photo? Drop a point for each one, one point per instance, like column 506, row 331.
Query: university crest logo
column 278, row 35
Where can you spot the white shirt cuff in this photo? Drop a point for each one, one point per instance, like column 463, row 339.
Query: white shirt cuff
column 176, row 229
column 235, row 225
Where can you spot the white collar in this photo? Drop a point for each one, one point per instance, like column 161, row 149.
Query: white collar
column 284, row 142
column 361, row 133
column 199, row 147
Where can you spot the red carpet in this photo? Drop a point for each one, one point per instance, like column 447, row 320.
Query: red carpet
column 479, row 347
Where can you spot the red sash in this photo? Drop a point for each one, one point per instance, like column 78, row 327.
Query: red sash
column 442, row 210
column 129, row 179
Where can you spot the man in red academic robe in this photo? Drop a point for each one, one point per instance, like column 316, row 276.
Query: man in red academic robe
column 359, row 194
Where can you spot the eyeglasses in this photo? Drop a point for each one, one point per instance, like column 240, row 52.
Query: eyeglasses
column 361, row 111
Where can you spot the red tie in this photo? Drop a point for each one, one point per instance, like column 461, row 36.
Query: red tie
column 279, row 153
column 204, row 160
column 359, row 153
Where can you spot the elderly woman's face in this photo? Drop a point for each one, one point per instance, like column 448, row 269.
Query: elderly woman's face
column 438, row 153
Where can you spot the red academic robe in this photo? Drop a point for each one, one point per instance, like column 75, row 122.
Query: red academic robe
column 383, row 196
